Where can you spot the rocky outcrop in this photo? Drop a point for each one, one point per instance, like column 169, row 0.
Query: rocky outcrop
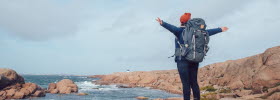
column 167, row 80
column 173, row 98
column 9, row 77
column 82, row 94
column 96, row 76
column 64, row 86
column 142, row 98
column 14, row 87
column 244, row 77
column 254, row 73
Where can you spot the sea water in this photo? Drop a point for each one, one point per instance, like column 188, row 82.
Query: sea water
column 95, row 92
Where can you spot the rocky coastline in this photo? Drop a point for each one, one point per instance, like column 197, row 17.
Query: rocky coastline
column 256, row 77
column 13, row 86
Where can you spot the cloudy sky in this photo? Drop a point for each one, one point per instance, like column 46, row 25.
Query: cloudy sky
column 104, row 36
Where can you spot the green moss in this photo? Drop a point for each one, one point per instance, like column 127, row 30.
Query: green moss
column 208, row 88
column 225, row 90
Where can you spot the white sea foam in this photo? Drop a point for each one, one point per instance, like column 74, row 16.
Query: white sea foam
column 108, row 87
column 86, row 85
column 89, row 86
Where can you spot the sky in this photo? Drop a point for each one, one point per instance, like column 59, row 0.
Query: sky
column 89, row 37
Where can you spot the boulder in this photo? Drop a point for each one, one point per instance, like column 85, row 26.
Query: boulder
column 52, row 86
column 12, row 86
column 64, row 86
column 54, row 91
column 9, row 77
column 81, row 94
column 142, row 98
column 39, row 93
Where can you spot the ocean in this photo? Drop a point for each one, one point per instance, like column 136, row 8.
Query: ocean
column 96, row 92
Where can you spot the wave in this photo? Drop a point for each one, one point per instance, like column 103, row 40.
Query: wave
column 86, row 85
column 89, row 86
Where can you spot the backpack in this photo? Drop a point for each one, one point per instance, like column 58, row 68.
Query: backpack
column 195, row 39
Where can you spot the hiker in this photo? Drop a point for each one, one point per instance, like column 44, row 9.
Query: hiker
column 188, row 69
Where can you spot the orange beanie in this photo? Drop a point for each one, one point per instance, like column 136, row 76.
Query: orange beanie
column 184, row 18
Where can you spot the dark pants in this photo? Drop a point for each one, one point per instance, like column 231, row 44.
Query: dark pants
column 188, row 75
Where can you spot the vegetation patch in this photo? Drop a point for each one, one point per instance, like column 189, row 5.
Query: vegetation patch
column 208, row 88
column 225, row 90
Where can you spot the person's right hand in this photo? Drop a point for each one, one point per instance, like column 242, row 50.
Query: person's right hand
column 159, row 20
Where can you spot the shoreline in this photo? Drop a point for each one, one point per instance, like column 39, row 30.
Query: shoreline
column 253, row 77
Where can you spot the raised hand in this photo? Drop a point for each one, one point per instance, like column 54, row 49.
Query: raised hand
column 159, row 20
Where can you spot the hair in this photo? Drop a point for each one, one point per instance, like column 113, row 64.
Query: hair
column 182, row 24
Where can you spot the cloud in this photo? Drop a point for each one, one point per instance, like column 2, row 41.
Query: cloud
column 253, row 29
column 110, row 36
column 41, row 20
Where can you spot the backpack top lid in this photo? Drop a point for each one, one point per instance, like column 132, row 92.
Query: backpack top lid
column 197, row 23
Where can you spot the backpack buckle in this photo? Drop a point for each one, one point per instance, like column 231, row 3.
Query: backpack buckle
column 186, row 45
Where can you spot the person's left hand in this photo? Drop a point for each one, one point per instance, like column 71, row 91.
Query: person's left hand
column 224, row 29
column 159, row 20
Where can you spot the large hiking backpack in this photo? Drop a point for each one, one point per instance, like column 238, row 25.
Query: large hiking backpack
column 195, row 39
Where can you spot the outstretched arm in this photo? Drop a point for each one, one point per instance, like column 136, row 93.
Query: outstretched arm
column 216, row 30
column 175, row 30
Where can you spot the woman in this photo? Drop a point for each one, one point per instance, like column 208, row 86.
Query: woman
column 187, row 70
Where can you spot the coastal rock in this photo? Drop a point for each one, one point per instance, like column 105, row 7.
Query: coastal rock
column 18, row 95
column 39, row 93
column 65, row 86
column 272, row 93
column 14, row 87
column 123, row 86
column 172, row 98
column 164, row 80
column 256, row 74
column 9, row 77
column 243, row 92
column 96, row 76
column 19, row 91
column 142, row 98
column 226, row 95
column 81, row 94
column 275, row 96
